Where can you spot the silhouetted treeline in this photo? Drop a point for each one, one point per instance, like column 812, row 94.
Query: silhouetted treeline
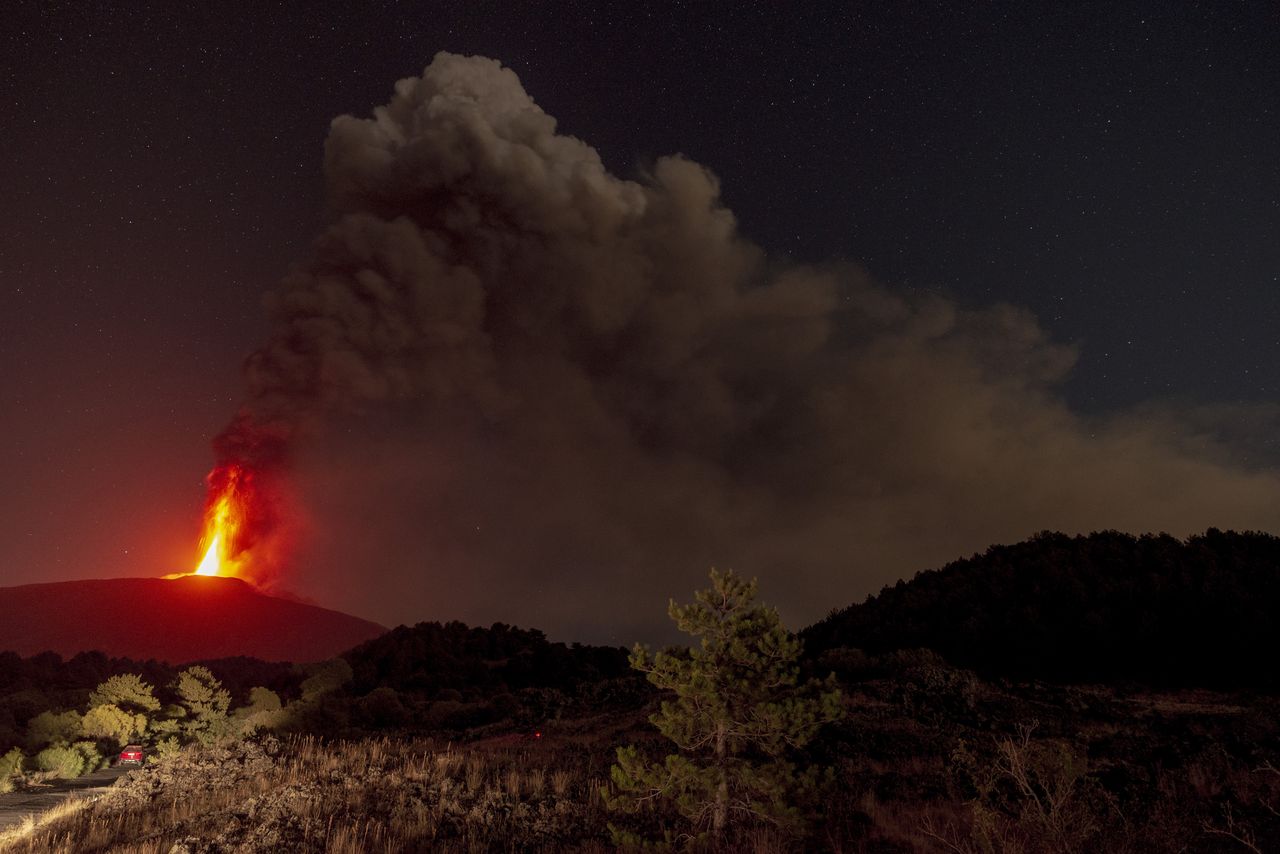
column 432, row 676
column 432, row 657
column 1109, row 607
column 436, row 677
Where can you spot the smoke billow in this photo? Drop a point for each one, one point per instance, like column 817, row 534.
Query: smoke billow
column 512, row 386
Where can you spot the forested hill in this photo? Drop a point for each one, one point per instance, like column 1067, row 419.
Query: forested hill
column 430, row 657
column 1109, row 607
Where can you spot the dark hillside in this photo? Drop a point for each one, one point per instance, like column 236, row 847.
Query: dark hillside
column 1108, row 607
column 180, row 620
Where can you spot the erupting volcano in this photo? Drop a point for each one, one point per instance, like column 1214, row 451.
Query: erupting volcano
column 186, row 617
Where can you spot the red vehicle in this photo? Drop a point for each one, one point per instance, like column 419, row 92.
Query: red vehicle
column 132, row 754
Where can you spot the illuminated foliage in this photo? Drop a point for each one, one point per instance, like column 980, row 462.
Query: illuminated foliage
column 112, row 723
column 67, row 761
column 263, row 710
column 740, row 716
column 10, row 766
column 325, row 677
column 52, row 728
column 263, row 700
column 126, row 691
column 204, row 701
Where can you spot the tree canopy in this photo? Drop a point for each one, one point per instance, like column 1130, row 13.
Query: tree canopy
column 127, row 691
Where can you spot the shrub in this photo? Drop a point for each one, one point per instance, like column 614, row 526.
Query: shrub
column 1036, row 795
column 113, row 724
column 262, row 700
column 381, row 708
column 52, row 728
column 325, row 677
column 264, row 711
column 163, row 749
column 93, row 760
column 10, row 767
column 62, row 761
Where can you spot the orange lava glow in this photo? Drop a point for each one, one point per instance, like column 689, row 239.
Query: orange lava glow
column 211, row 563
column 224, row 519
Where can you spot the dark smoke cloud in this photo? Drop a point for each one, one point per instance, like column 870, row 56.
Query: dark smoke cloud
column 515, row 387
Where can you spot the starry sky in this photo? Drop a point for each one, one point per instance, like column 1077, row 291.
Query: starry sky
column 1111, row 168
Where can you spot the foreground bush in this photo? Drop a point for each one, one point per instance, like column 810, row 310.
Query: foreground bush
column 10, row 768
column 71, row 760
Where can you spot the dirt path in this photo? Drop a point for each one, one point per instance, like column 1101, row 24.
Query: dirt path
column 16, row 806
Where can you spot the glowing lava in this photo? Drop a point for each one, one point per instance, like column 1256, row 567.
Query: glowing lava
column 211, row 563
column 224, row 519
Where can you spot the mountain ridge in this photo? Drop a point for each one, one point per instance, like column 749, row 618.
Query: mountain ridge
column 1105, row 607
column 182, row 619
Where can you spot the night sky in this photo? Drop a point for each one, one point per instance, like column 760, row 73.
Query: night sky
column 1111, row 172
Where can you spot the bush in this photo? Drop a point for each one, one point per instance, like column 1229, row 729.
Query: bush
column 113, row 725
column 93, row 760
column 163, row 749
column 52, row 728
column 10, row 767
column 262, row 700
column 62, row 761
column 1036, row 795
column 381, row 708
column 325, row 677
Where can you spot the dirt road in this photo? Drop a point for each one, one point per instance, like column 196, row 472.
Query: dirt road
column 16, row 806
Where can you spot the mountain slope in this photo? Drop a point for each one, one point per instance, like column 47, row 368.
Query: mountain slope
column 178, row 620
column 1108, row 607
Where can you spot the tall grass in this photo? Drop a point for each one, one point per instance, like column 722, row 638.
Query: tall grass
column 360, row 796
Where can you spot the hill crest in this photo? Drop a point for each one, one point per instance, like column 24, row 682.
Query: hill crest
column 1107, row 607
column 189, row 618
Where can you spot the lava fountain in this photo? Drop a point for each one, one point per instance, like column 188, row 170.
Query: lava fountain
column 225, row 514
column 211, row 563
column 240, row 536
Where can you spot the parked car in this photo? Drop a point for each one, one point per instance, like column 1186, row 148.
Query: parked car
column 132, row 754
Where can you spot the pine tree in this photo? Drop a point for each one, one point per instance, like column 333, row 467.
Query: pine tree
column 739, row 717
column 205, row 702
column 128, row 691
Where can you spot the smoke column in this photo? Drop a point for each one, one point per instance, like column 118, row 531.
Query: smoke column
column 509, row 385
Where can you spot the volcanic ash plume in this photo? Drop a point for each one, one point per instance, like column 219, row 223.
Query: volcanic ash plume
column 513, row 386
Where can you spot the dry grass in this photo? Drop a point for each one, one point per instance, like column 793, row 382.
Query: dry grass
column 898, row 787
column 560, row 782
column 304, row 795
